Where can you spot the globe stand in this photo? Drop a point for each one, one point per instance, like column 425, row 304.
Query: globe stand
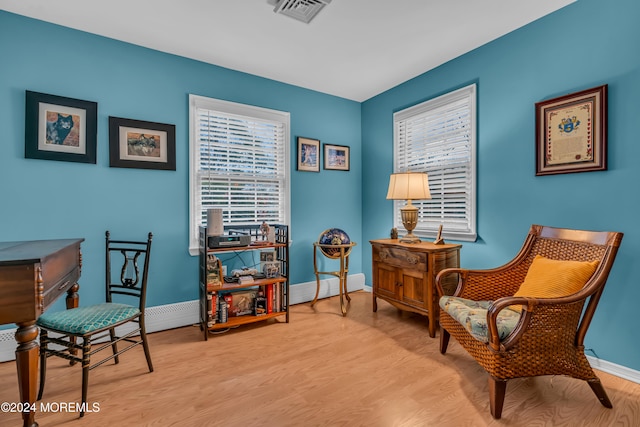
column 340, row 252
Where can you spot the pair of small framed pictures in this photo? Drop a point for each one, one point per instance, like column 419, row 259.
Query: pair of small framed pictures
column 336, row 157
column 65, row 129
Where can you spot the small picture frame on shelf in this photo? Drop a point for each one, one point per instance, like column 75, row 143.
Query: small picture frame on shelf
column 214, row 272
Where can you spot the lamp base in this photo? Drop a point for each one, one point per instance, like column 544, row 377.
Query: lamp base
column 410, row 238
column 409, row 215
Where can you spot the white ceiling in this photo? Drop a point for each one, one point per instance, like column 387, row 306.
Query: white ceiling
column 354, row 49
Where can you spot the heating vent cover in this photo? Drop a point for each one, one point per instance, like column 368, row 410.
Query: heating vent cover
column 302, row 10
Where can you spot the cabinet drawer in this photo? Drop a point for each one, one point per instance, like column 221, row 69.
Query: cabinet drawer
column 401, row 258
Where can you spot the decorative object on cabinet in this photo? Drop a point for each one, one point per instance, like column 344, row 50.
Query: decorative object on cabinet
column 439, row 240
column 334, row 243
column 571, row 133
column 60, row 128
column 308, row 154
column 394, row 233
column 546, row 336
column 409, row 186
column 140, row 144
column 336, row 157
column 96, row 323
column 239, row 300
column 404, row 275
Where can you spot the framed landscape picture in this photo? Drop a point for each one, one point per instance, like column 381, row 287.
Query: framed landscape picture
column 140, row 144
column 60, row 128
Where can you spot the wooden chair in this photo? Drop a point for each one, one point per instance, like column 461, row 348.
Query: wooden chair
column 97, row 323
column 547, row 337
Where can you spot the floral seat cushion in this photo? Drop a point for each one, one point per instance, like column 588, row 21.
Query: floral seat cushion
column 85, row 320
column 473, row 316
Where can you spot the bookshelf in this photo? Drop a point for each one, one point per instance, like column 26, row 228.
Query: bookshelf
column 218, row 310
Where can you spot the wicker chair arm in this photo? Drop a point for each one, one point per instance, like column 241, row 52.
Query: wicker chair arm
column 446, row 272
column 532, row 310
column 489, row 284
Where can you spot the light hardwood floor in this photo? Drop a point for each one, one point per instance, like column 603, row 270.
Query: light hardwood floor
column 368, row 369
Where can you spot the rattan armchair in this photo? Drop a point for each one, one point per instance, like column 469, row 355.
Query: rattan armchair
column 548, row 336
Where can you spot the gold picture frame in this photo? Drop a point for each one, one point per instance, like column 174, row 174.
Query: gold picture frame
column 571, row 133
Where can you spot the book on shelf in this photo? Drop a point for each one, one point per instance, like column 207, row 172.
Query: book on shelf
column 212, row 308
column 260, row 304
column 269, row 289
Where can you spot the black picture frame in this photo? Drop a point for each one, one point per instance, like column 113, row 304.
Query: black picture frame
column 142, row 145
column 60, row 128
column 308, row 154
column 337, row 157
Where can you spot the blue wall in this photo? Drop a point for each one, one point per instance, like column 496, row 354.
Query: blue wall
column 586, row 44
column 42, row 199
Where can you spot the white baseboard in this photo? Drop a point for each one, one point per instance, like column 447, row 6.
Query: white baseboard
column 614, row 369
column 170, row 316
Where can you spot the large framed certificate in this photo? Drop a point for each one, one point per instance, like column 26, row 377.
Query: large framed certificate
column 571, row 133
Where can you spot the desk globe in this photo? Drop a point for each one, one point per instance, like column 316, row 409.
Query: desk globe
column 333, row 236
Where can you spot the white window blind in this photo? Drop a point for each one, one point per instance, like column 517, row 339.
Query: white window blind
column 239, row 162
column 438, row 137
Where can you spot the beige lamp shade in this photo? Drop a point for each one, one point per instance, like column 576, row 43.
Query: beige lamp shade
column 408, row 186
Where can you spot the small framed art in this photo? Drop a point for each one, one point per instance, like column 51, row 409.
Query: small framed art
column 60, row 128
column 571, row 133
column 336, row 157
column 308, row 154
column 140, row 144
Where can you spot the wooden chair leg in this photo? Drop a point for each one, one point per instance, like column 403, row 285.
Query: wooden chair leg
column 145, row 344
column 497, row 389
column 114, row 345
column 86, row 363
column 44, row 340
column 444, row 340
column 600, row 393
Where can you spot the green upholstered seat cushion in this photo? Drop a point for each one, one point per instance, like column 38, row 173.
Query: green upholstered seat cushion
column 473, row 316
column 85, row 320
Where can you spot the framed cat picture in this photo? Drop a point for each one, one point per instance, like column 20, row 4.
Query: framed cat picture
column 60, row 128
column 142, row 145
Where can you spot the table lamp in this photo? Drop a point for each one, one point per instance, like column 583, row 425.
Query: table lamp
column 409, row 186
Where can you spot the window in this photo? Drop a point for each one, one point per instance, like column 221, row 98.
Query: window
column 239, row 161
column 438, row 137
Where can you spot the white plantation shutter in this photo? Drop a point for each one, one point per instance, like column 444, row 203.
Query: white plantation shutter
column 239, row 162
column 439, row 137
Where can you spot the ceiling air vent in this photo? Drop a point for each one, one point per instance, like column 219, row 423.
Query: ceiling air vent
column 302, row 10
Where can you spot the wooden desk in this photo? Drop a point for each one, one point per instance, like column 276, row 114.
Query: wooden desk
column 33, row 275
column 404, row 275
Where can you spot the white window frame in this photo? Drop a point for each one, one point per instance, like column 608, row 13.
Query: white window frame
column 197, row 212
column 446, row 151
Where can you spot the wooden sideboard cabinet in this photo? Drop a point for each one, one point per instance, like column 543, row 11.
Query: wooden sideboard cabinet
column 404, row 275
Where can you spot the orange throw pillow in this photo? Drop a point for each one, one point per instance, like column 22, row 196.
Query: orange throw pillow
column 550, row 278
